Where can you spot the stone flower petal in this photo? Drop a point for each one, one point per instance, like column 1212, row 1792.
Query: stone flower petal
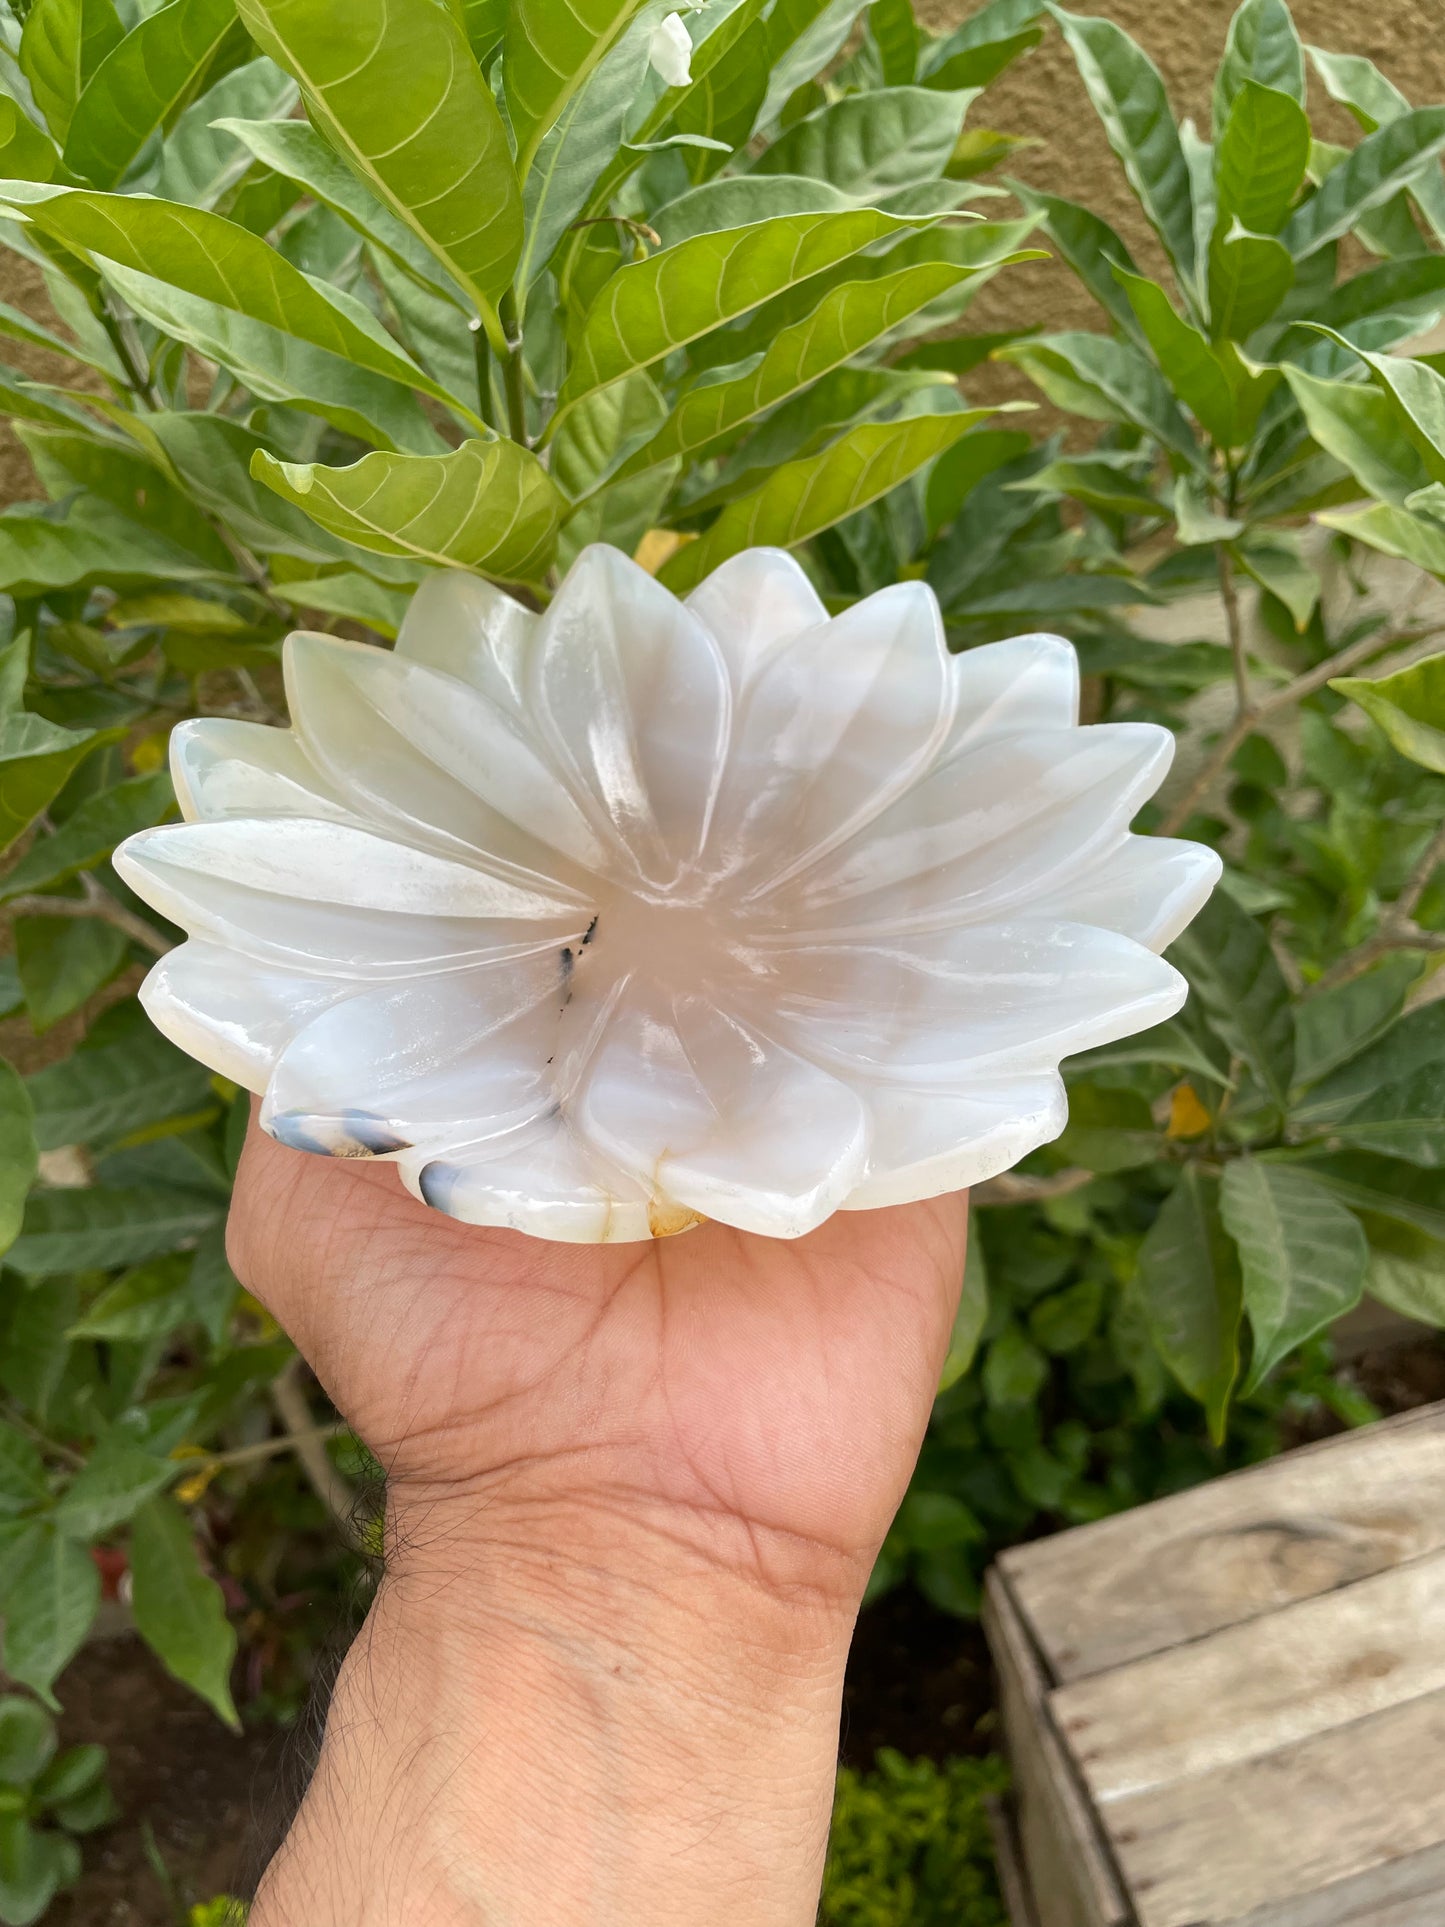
column 341, row 901
column 929, row 1142
column 696, row 1104
column 410, row 745
column 751, row 605
column 1027, row 683
column 470, row 629
column 1147, row 887
column 443, row 1059
column 543, row 1180
column 930, row 1010
column 235, row 1015
column 984, row 833
column 632, row 696
column 834, row 726
column 225, row 768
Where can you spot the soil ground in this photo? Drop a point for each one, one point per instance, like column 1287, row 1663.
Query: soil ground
column 207, row 1807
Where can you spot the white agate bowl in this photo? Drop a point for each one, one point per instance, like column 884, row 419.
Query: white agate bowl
column 601, row 922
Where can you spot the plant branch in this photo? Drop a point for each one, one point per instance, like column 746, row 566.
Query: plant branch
column 1234, row 627
column 1398, row 929
column 1011, row 1188
column 288, row 1397
column 514, row 379
column 269, row 1448
column 98, row 903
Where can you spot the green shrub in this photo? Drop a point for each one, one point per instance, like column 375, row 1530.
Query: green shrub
column 911, row 1846
column 47, row 1799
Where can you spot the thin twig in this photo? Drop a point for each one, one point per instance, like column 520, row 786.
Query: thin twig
column 267, row 1448
column 288, row 1397
column 625, row 221
column 1234, row 627
column 96, row 903
column 1398, row 929
column 1011, row 1188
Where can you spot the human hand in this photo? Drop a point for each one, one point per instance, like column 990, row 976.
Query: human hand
column 655, row 1475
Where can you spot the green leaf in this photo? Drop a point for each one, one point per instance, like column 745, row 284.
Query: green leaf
column 143, row 84
column 90, row 833
column 1189, row 363
column 1402, row 1120
column 394, row 87
column 115, row 1481
column 1417, row 1040
column 803, row 37
column 871, row 143
column 1106, row 380
column 1333, row 1026
column 650, row 308
column 107, row 1091
column 100, row 1227
column 960, row 469
column 64, row 960
column 22, row 1473
column 804, row 497
column 1092, row 249
column 1409, row 706
column 1192, row 1293
column 1302, row 1252
column 36, row 1350
column 1109, row 1130
column 1129, row 98
column 1276, row 561
column 145, row 1303
column 847, row 319
column 295, row 149
column 986, row 43
column 894, row 33
column 1417, row 392
column 1229, row 963
column 36, row 760
column 1393, row 531
column 27, row 1740
column 1358, row 84
column 548, row 53
column 969, row 1319
column 1015, row 1371
column 179, row 1611
column 489, row 506
column 212, row 1285
column 18, row 1152
column 33, row 1867
column 1262, row 46
column 1360, row 425
column 200, row 161
column 51, row 1592
column 66, row 459
column 1249, row 276
column 1369, row 176
column 1261, row 160
column 25, row 153
column 63, row 44
column 354, row 596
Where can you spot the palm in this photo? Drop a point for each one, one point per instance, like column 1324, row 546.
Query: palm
column 780, row 1386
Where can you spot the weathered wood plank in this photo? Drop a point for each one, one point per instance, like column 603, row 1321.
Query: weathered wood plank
column 1071, row 1882
column 1013, row 1881
column 1263, row 1684
column 1239, row 1547
column 1410, row 1893
column 1348, row 1806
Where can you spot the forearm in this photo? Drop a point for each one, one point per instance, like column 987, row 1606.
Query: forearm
column 587, row 1721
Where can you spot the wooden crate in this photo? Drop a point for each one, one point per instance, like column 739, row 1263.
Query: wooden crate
column 1227, row 1709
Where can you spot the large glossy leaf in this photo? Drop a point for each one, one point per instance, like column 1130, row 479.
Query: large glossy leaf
column 104, row 1091
column 988, row 40
column 63, row 961
column 1189, row 363
column 721, row 100
column 1192, row 1293
column 870, row 143
column 803, row 37
column 179, row 1610
column 1332, row 1026
column 1261, row 159
column 1393, row 531
column 295, row 149
column 200, row 161
column 1417, row 391
column 63, row 44
column 1302, row 1252
column 740, row 200
column 1262, row 46
column 99, row 1227
column 25, row 153
column 806, row 496
column 206, row 255
column 1416, row 1041
column 1129, row 98
column 1249, row 275
column 394, row 87
column 90, row 833
column 51, row 1590
column 1360, row 426
column 278, row 367
column 18, row 1152
column 846, row 320
column 1358, row 84
column 1405, row 1119
column 1409, row 706
column 489, row 505
column 894, row 33
column 1091, row 248
column 1369, row 176
column 650, row 308
column 1105, row 380
column 548, row 53
column 36, row 760
column 1231, row 967
column 143, row 84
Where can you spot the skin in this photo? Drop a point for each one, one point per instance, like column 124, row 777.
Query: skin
column 634, row 1495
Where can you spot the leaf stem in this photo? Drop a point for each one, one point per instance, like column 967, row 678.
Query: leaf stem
column 288, row 1398
column 1398, row 929
column 513, row 374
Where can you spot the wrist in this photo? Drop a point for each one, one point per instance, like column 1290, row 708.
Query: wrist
column 577, row 1714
